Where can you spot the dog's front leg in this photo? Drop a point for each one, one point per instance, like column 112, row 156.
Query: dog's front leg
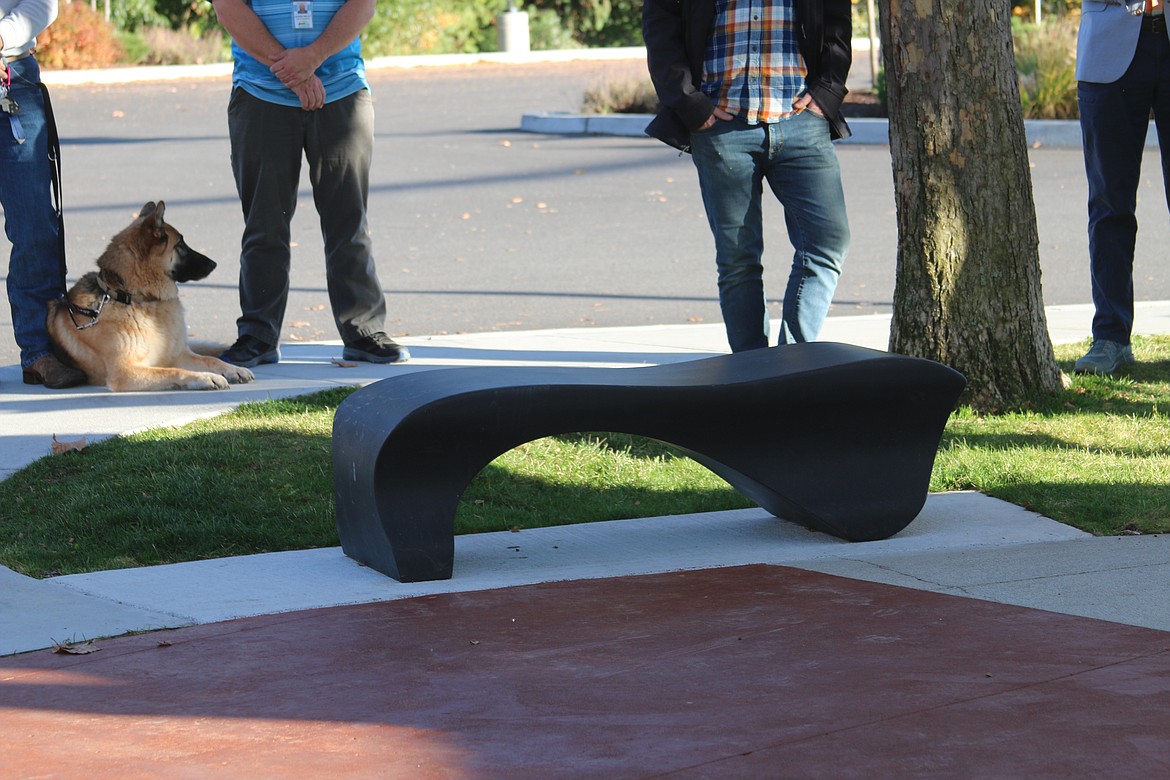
column 237, row 375
column 150, row 378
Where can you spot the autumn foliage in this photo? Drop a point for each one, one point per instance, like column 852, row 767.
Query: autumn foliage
column 79, row 38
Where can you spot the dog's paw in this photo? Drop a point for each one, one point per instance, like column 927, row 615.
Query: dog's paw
column 238, row 375
column 205, row 380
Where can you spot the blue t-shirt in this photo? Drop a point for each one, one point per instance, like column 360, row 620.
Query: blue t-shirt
column 342, row 74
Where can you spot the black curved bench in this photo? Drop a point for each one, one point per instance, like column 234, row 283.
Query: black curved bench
column 838, row 438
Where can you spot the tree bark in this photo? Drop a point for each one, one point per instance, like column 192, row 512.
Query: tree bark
column 967, row 288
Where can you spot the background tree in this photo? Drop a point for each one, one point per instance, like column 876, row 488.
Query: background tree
column 967, row 288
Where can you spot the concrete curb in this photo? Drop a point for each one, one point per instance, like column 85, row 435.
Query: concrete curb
column 135, row 73
column 1041, row 133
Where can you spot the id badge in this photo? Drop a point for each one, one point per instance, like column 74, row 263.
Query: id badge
column 302, row 14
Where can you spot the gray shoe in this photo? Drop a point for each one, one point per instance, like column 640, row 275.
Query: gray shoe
column 1104, row 357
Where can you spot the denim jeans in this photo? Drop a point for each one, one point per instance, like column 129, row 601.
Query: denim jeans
column 1114, row 121
column 36, row 273
column 268, row 141
column 797, row 159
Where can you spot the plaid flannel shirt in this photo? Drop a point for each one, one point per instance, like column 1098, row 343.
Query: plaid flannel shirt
column 753, row 67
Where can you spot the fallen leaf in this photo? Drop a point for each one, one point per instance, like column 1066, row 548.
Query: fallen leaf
column 505, row 143
column 343, row 364
column 299, row 324
column 61, row 447
column 74, row 648
column 165, row 643
column 318, row 307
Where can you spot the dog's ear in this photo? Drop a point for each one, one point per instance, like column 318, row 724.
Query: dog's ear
column 152, row 217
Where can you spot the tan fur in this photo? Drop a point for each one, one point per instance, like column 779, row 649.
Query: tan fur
column 143, row 345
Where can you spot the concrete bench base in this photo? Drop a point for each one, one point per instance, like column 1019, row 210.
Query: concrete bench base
column 838, row 438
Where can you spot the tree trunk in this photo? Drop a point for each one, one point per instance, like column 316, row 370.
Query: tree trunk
column 968, row 277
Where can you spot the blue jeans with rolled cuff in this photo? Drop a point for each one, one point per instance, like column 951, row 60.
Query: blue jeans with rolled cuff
column 796, row 157
column 36, row 273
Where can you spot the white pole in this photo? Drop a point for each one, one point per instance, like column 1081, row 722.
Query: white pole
column 873, row 42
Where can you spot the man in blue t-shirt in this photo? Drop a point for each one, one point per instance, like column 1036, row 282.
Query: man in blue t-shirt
column 299, row 88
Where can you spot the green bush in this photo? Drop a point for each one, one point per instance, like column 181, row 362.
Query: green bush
column 196, row 16
column 1046, row 67
column 432, row 27
column 546, row 31
column 129, row 16
column 597, row 23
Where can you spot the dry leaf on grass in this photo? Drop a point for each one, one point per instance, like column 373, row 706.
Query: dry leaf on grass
column 61, row 447
column 74, row 648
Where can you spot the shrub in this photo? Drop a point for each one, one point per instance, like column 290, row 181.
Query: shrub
column 197, row 16
column 597, row 22
column 1046, row 66
column 164, row 46
column 432, row 27
column 631, row 96
column 79, row 38
column 546, row 31
column 128, row 16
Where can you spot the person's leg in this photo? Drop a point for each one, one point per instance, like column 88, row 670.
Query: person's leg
column 267, row 141
column 805, row 176
column 727, row 159
column 35, row 269
column 339, row 148
column 1162, row 108
column 1114, row 122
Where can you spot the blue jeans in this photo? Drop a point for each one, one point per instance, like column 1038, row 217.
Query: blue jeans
column 36, row 273
column 1114, row 121
column 798, row 161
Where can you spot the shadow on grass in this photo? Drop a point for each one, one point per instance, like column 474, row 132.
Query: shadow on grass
column 170, row 496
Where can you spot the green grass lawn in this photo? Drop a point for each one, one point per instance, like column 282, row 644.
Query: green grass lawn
column 259, row 479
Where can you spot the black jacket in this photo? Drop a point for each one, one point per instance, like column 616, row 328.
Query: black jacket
column 676, row 34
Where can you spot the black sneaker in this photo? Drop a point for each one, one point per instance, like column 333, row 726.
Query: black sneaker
column 376, row 348
column 250, row 351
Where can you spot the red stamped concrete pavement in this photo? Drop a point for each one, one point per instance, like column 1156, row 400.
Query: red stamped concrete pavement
column 752, row 671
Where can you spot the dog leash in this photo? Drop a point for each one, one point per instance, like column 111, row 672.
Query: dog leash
column 58, row 208
column 55, row 164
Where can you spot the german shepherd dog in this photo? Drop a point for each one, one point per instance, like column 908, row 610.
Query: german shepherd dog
column 123, row 325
